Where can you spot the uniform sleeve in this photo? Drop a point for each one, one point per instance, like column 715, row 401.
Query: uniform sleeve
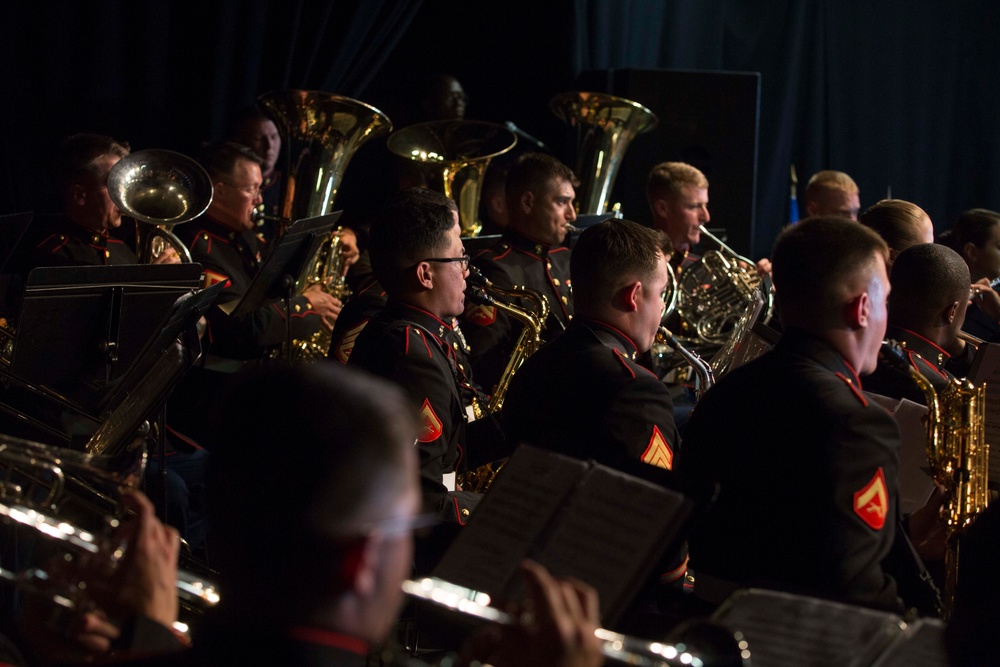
column 640, row 422
column 863, row 517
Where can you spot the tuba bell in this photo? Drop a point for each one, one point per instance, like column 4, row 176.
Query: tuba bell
column 454, row 155
column 605, row 125
column 160, row 189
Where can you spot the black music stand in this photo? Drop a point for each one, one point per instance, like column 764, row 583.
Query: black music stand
column 106, row 313
column 285, row 266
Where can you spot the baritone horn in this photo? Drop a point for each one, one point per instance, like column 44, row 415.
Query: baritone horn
column 454, row 155
column 605, row 126
column 159, row 189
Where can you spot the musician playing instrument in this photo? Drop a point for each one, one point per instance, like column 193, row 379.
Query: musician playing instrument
column 418, row 258
column 583, row 394
column 806, row 466
column 336, row 513
column 540, row 195
column 975, row 236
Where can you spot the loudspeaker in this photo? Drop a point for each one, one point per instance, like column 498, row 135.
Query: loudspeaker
column 707, row 119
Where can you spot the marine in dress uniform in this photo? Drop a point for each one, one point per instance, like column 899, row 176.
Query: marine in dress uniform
column 922, row 355
column 584, row 395
column 68, row 244
column 522, row 262
column 807, row 469
column 407, row 345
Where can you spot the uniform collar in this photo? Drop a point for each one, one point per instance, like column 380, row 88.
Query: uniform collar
column 210, row 225
column 802, row 343
column 524, row 243
column 611, row 336
column 914, row 342
column 75, row 231
column 418, row 316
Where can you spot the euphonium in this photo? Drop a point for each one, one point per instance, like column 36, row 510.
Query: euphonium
column 957, row 454
column 454, row 155
column 320, row 132
column 160, row 189
column 606, row 125
column 715, row 291
column 532, row 318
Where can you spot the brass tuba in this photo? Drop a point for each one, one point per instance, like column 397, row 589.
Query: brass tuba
column 605, row 125
column 957, row 454
column 160, row 189
column 321, row 132
column 715, row 291
column 454, row 155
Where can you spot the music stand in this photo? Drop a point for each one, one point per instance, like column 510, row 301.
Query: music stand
column 111, row 312
column 285, row 266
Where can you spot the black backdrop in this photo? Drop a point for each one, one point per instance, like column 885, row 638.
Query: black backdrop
column 898, row 93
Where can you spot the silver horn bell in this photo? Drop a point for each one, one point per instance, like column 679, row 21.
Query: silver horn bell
column 160, row 188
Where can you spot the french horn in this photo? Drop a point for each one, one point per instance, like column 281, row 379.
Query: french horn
column 159, row 189
column 605, row 126
column 454, row 155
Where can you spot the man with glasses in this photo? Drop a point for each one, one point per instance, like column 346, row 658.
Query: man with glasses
column 540, row 208
column 417, row 256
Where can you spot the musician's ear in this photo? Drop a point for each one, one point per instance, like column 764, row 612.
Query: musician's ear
column 425, row 275
column 526, row 201
column 949, row 313
column 660, row 208
column 630, row 296
column 78, row 194
column 858, row 310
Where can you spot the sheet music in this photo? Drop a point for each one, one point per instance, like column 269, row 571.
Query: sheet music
column 509, row 520
column 986, row 368
column 784, row 629
column 922, row 645
column 614, row 522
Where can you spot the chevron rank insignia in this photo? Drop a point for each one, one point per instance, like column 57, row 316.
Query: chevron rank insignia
column 871, row 503
column 213, row 277
column 658, row 452
column 346, row 344
column 482, row 315
column 431, row 426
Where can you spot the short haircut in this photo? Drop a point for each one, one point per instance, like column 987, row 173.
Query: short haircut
column 817, row 263
column 823, row 182
column 611, row 254
column 926, row 278
column 305, row 459
column 412, row 226
column 667, row 178
column 220, row 159
column 76, row 155
column 534, row 172
column 973, row 226
column 896, row 221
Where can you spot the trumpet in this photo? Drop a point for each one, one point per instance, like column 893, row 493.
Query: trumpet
column 614, row 645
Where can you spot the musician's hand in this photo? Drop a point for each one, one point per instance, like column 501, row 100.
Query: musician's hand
column 986, row 298
column 764, row 267
column 327, row 306
column 928, row 528
column 565, row 614
column 168, row 256
column 349, row 247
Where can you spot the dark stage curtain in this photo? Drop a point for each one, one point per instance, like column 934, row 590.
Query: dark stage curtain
column 898, row 93
column 169, row 74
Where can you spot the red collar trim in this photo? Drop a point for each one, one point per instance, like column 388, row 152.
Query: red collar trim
column 928, row 341
column 428, row 314
column 620, row 333
column 854, row 373
column 328, row 638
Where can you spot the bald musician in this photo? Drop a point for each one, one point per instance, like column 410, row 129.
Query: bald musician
column 806, row 465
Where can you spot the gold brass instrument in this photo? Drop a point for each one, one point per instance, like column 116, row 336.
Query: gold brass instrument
column 454, row 155
column 715, row 291
column 74, row 498
column 321, row 132
column 160, row 189
column 532, row 318
column 605, row 125
column 957, row 453
column 616, row 647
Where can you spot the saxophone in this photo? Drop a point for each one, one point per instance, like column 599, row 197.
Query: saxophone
column 957, row 453
column 482, row 291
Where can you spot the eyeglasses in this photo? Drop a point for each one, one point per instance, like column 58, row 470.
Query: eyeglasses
column 463, row 260
column 250, row 192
